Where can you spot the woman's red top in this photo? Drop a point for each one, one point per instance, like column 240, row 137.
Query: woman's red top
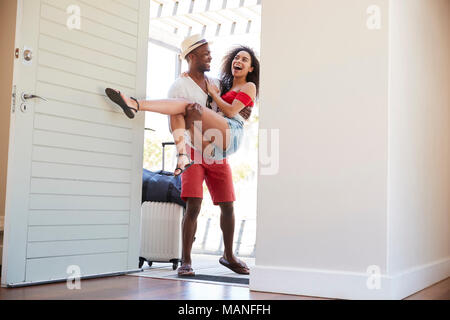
column 231, row 95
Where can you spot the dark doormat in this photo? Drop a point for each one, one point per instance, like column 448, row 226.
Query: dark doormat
column 205, row 277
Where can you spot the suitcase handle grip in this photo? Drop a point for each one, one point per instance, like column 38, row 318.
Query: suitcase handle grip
column 164, row 144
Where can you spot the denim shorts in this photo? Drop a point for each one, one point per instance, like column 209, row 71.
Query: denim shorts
column 236, row 125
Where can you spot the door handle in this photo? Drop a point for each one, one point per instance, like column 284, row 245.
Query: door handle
column 26, row 97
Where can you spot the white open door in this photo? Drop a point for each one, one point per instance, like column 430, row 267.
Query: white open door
column 75, row 161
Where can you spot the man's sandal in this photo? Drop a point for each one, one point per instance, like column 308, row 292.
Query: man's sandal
column 185, row 168
column 240, row 267
column 116, row 97
column 185, row 271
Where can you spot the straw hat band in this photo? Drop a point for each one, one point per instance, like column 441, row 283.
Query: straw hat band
column 191, row 43
column 198, row 42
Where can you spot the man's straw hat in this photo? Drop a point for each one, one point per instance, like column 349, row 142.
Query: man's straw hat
column 191, row 43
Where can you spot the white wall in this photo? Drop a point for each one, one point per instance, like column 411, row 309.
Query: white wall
column 419, row 136
column 323, row 218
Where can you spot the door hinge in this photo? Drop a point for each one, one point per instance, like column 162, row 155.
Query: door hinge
column 13, row 104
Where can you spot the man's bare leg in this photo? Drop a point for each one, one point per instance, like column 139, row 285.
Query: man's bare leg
column 227, row 224
column 189, row 228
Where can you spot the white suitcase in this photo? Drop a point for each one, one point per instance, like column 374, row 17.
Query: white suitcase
column 161, row 233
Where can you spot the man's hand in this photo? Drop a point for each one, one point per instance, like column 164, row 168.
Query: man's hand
column 194, row 113
column 246, row 113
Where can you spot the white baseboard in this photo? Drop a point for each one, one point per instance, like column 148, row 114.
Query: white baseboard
column 418, row 278
column 346, row 285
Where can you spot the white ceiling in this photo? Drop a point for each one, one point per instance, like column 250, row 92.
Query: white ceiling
column 173, row 20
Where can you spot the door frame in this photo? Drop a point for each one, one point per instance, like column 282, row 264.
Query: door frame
column 10, row 219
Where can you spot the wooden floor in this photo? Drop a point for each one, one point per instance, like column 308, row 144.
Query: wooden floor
column 137, row 288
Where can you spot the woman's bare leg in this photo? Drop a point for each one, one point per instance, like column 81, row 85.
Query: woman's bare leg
column 164, row 106
column 213, row 126
column 178, row 129
column 176, row 109
column 209, row 127
column 197, row 139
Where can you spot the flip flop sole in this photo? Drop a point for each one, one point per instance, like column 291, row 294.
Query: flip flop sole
column 185, row 168
column 239, row 269
column 117, row 98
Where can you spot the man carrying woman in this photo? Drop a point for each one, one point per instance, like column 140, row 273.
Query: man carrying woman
column 214, row 134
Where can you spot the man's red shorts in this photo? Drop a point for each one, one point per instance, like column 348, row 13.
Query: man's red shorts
column 218, row 178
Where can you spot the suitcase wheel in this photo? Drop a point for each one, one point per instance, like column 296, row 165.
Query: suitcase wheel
column 175, row 263
column 141, row 262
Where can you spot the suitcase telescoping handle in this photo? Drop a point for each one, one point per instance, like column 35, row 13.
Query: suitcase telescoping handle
column 164, row 144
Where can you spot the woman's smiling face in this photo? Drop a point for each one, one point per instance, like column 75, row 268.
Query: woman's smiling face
column 242, row 64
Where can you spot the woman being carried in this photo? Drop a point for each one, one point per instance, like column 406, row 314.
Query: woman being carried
column 239, row 89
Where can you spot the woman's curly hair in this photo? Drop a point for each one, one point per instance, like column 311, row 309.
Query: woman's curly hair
column 226, row 76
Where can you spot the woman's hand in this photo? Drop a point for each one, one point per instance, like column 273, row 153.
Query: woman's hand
column 212, row 88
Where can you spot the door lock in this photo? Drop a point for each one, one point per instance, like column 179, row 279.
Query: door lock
column 24, row 107
column 25, row 98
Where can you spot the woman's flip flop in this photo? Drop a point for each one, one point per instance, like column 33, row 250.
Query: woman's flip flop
column 116, row 97
column 185, row 168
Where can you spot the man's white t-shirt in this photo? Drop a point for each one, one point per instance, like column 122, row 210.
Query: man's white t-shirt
column 186, row 88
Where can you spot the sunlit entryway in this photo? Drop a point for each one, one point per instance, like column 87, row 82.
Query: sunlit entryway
column 225, row 23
